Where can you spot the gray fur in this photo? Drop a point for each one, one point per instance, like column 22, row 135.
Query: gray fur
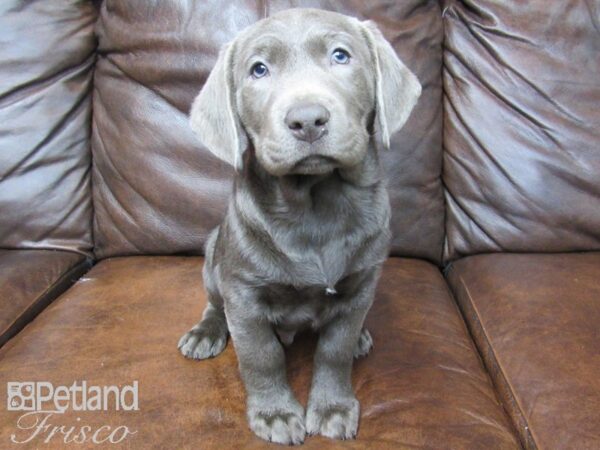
column 302, row 243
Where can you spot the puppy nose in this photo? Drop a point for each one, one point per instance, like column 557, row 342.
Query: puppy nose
column 307, row 121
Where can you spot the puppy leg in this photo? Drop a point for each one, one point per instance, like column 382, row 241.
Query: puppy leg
column 273, row 412
column 208, row 337
column 333, row 410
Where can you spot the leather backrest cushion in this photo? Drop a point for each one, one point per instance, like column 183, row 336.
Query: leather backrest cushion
column 157, row 190
column 47, row 52
column 522, row 126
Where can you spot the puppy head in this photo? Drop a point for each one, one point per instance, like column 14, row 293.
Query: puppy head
column 307, row 88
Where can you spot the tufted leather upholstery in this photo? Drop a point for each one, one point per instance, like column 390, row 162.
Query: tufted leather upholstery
column 47, row 53
column 153, row 59
column 521, row 159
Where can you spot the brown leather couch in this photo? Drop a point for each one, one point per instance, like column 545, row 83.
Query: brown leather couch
column 487, row 318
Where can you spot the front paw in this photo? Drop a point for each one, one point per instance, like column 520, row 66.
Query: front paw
column 206, row 340
column 335, row 419
column 280, row 423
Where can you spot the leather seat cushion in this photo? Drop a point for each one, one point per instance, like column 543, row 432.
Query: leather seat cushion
column 536, row 320
column 422, row 386
column 30, row 280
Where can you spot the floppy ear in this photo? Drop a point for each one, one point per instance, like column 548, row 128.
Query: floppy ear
column 214, row 118
column 397, row 89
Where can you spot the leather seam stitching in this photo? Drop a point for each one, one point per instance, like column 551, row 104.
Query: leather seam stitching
column 47, row 293
column 501, row 371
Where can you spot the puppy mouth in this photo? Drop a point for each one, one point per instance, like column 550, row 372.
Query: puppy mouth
column 314, row 165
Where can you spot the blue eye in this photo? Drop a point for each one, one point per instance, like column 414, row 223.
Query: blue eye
column 340, row 56
column 259, row 70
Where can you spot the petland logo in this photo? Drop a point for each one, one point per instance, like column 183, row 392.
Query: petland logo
column 41, row 402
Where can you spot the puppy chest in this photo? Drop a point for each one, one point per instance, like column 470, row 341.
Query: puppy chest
column 292, row 309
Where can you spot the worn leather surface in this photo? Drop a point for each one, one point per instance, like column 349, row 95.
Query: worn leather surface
column 46, row 62
column 157, row 190
column 423, row 386
column 536, row 320
column 521, row 126
column 29, row 280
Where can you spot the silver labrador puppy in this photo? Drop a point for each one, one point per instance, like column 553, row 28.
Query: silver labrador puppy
column 299, row 103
